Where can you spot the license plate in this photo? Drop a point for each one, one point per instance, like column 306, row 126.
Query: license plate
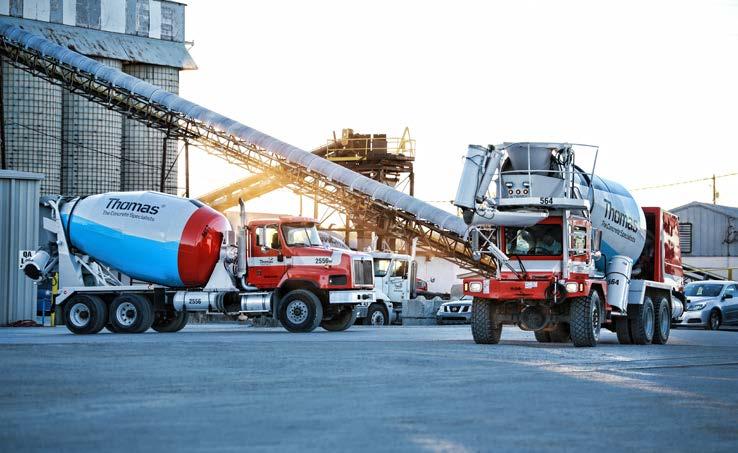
column 529, row 285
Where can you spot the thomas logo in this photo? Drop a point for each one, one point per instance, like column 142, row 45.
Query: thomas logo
column 620, row 218
column 132, row 206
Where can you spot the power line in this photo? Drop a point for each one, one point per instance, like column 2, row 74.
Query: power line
column 691, row 181
column 78, row 145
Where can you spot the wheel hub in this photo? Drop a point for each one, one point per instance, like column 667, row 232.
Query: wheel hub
column 377, row 318
column 648, row 323
column 596, row 325
column 126, row 314
column 79, row 315
column 297, row 312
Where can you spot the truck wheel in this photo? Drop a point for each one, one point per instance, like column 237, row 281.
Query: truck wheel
column 300, row 311
column 342, row 321
column 110, row 328
column 713, row 323
column 542, row 336
column 85, row 314
column 171, row 321
column 585, row 320
column 641, row 321
column 560, row 333
column 662, row 321
column 376, row 316
column 622, row 329
column 131, row 313
column 484, row 325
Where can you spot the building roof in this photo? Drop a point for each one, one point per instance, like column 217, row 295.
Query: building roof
column 118, row 46
column 728, row 211
column 12, row 174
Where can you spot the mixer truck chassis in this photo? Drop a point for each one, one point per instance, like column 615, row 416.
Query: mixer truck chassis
column 575, row 252
column 187, row 259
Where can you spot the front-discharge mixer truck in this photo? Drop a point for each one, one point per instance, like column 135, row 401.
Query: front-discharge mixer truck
column 575, row 252
column 133, row 260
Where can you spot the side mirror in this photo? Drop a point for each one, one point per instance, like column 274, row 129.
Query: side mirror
column 727, row 296
column 596, row 240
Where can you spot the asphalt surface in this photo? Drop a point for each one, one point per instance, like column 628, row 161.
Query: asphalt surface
column 232, row 388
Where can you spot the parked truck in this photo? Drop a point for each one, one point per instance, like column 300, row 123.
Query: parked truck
column 575, row 252
column 133, row 260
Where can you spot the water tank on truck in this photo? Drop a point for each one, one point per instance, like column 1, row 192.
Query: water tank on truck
column 148, row 236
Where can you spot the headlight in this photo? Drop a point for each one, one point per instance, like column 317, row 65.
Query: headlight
column 572, row 287
column 696, row 307
column 475, row 287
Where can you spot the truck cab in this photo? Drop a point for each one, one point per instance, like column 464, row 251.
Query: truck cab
column 394, row 283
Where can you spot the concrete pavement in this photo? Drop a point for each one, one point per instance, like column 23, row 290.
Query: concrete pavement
column 229, row 388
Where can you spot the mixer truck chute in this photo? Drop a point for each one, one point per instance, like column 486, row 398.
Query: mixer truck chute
column 577, row 253
column 134, row 260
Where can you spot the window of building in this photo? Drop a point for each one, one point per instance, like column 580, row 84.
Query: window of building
column 685, row 237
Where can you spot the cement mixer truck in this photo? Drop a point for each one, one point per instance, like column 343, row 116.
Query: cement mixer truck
column 129, row 261
column 575, row 252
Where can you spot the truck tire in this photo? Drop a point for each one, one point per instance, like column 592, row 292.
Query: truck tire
column 171, row 321
column 585, row 320
column 622, row 329
column 85, row 314
column 484, row 325
column 560, row 333
column 376, row 315
column 342, row 321
column 131, row 313
column 542, row 336
column 300, row 311
column 641, row 321
column 110, row 328
column 662, row 321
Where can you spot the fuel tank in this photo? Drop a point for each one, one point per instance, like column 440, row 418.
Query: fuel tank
column 149, row 236
column 622, row 221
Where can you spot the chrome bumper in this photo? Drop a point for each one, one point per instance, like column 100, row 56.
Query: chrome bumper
column 350, row 297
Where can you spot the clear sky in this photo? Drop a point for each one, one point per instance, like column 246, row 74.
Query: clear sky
column 653, row 83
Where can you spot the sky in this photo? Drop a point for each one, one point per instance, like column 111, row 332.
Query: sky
column 653, row 83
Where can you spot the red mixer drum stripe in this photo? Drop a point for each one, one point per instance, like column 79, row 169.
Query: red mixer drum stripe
column 199, row 247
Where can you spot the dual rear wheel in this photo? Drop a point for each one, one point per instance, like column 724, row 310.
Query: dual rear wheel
column 126, row 313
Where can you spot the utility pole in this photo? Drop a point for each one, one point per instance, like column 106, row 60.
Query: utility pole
column 187, row 168
column 715, row 193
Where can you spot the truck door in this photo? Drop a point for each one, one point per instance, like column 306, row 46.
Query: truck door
column 267, row 264
column 399, row 283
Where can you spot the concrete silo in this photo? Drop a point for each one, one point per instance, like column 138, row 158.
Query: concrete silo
column 76, row 144
column 32, row 126
column 142, row 144
column 91, row 149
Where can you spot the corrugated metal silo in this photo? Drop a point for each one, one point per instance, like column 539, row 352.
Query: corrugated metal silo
column 91, row 150
column 19, row 220
column 33, row 126
column 143, row 146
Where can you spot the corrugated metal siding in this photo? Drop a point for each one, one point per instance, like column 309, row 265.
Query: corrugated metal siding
column 709, row 229
column 19, row 219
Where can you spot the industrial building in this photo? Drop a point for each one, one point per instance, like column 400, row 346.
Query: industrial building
column 709, row 238
column 81, row 147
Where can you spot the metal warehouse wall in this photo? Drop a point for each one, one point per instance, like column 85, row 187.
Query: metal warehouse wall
column 19, row 224
column 709, row 229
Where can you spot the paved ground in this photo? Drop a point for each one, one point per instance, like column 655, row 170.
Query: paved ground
column 227, row 388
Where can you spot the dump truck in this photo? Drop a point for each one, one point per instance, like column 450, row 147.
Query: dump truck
column 575, row 252
column 129, row 261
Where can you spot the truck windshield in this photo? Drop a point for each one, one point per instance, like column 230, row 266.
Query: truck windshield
column 301, row 234
column 536, row 240
column 381, row 266
column 703, row 289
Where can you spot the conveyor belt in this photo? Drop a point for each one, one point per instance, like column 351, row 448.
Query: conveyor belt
column 374, row 203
